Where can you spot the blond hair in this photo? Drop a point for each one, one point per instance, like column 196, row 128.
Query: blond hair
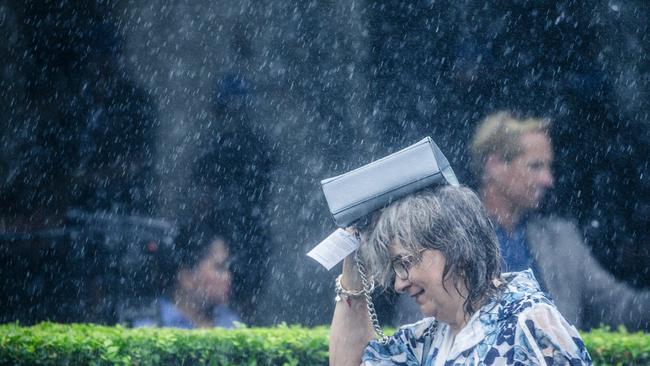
column 499, row 133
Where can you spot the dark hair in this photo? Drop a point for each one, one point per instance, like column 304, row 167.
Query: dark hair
column 191, row 245
column 449, row 219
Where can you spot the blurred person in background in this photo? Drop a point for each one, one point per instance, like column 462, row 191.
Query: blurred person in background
column 200, row 285
column 512, row 158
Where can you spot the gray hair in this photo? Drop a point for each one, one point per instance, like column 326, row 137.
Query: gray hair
column 449, row 219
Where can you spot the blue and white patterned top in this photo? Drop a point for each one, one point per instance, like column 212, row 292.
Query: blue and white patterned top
column 521, row 327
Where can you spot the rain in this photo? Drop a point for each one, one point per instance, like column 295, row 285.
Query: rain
column 123, row 120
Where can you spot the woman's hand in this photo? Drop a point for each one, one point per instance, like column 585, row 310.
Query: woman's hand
column 351, row 329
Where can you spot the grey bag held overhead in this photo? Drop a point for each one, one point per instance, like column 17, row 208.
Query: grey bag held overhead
column 355, row 194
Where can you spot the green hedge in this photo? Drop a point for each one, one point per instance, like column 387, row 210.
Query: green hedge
column 86, row 344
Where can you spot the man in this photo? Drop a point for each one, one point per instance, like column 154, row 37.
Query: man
column 512, row 158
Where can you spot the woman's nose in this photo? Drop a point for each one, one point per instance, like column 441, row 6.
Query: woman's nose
column 401, row 285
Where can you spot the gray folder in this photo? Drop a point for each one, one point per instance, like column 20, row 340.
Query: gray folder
column 357, row 193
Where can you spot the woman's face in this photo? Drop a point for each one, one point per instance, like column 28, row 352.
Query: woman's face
column 212, row 278
column 425, row 284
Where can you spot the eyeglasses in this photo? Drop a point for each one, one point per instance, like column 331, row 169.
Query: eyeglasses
column 401, row 265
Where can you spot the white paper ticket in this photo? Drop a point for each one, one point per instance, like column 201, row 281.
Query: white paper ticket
column 334, row 248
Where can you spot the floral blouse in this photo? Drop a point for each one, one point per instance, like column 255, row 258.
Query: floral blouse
column 520, row 327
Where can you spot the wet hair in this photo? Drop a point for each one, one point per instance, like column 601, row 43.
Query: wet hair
column 499, row 133
column 449, row 219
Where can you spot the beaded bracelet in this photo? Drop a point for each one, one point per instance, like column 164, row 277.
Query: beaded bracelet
column 340, row 291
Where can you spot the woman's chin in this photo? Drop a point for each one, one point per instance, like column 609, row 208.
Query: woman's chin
column 426, row 311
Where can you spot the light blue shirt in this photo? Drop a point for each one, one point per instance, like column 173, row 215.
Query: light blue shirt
column 170, row 316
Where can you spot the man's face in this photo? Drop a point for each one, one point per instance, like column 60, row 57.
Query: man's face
column 523, row 181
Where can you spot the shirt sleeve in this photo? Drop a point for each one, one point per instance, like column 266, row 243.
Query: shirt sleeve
column 403, row 348
column 549, row 338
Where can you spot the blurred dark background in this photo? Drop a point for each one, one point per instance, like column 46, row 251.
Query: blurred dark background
column 123, row 120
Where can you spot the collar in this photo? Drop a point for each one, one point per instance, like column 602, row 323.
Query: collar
column 519, row 227
column 518, row 285
column 171, row 316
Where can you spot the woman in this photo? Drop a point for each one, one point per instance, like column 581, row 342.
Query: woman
column 201, row 282
column 441, row 249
